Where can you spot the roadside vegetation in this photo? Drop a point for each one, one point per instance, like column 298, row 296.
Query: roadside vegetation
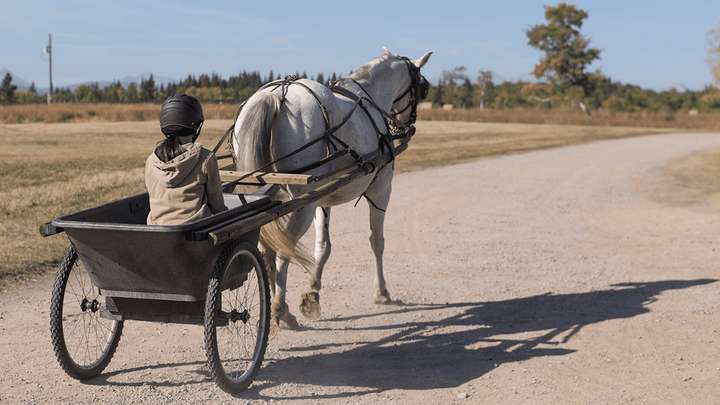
column 695, row 179
column 103, row 112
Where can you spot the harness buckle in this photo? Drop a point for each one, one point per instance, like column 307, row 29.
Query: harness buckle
column 368, row 167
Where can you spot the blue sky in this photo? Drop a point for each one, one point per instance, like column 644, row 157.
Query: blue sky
column 657, row 44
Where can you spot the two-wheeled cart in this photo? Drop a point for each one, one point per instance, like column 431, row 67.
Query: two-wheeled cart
column 207, row 272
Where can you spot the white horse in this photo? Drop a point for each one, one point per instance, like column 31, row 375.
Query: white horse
column 278, row 120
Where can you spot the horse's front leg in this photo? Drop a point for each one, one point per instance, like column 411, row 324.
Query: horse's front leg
column 310, row 304
column 378, row 197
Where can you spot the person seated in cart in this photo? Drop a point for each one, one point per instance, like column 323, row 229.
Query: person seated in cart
column 181, row 176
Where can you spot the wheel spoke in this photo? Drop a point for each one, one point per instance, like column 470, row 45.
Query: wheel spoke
column 75, row 294
column 238, row 349
column 78, row 279
column 86, row 336
column 98, row 341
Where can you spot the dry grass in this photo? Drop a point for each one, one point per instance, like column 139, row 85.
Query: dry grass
column 52, row 169
column 82, row 112
column 18, row 114
column 680, row 119
column 696, row 179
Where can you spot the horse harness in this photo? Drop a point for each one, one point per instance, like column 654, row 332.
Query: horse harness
column 417, row 90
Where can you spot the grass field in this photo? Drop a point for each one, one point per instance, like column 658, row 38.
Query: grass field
column 698, row 176
column 18, row 114
column 51, row 169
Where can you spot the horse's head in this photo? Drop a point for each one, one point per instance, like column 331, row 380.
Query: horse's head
column 412, row 89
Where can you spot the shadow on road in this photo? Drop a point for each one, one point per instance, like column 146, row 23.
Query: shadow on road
column 448, row 352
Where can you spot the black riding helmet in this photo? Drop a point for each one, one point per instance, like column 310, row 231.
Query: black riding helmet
column 181, row 115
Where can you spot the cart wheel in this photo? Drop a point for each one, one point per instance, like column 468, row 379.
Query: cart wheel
column 83, row 342
column 237, row 319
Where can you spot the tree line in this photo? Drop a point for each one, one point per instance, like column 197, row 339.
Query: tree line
column 454, row 87
column 562, row 80
column 207, row 87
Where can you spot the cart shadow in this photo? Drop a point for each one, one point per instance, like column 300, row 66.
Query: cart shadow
column 106, row 378
column 444, row 353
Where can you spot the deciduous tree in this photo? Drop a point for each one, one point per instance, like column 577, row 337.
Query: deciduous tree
column 567, row 53
column 714, row 54
column 484, row 87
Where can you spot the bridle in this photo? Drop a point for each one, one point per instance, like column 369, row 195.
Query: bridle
column 417, row 90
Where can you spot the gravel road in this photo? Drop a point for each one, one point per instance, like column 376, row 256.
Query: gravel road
column 557, row 276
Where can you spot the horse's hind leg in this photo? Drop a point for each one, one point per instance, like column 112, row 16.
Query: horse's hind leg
column 297, row 224
column 310, row 304
column 270, row 258
column 377, row 242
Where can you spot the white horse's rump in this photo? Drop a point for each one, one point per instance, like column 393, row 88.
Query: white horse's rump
column 272, row 125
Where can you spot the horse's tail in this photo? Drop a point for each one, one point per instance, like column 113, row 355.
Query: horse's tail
column 253, row 128
column 274, row 237
column 252, row 150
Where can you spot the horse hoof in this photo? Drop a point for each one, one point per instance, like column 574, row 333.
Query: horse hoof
column 282, row 318
column 289, row 323
column 310, row 305
column 383, row 298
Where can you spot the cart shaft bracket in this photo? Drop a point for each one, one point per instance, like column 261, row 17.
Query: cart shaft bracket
column 48, row 229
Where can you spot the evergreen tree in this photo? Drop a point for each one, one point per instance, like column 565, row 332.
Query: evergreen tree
column 147, row 89
column 320, row 78
column 7, row 90
column 132, row 95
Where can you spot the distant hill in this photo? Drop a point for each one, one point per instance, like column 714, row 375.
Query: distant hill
column 164, row 80
column 125, row 81
column 21, row 83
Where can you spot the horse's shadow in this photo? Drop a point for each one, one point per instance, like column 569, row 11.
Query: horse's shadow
column 453, row 350
column 449, row 352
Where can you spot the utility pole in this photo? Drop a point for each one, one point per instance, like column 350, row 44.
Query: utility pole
column 48, row 50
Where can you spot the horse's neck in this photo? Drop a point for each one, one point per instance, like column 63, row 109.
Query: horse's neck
column 382, row 90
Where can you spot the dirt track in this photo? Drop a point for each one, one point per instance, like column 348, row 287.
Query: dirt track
column 558, row 276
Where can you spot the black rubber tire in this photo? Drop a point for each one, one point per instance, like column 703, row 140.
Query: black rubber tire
column 57, row 331
column 213, row 314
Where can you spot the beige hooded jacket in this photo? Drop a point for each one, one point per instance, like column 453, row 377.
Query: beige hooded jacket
column 184, row 189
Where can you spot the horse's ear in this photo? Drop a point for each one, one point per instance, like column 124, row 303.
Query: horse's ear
column 386, row 53
column 422, row 60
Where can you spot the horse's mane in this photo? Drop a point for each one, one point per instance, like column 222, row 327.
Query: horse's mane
column 367, row 71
